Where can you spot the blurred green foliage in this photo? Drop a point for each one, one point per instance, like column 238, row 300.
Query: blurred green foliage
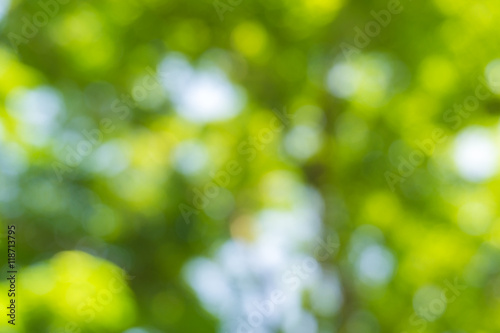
column 352, row 119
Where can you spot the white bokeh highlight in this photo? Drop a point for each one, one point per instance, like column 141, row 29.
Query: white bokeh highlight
column 200, row 96
column 475, row 154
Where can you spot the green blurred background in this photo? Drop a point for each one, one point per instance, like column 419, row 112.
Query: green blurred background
column 168, row 163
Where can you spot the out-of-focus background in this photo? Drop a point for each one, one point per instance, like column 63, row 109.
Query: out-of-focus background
column 251, row 165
